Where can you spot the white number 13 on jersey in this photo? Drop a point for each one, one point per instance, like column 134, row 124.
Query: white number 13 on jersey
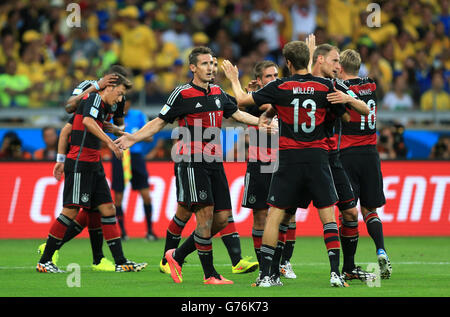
column 311, row 114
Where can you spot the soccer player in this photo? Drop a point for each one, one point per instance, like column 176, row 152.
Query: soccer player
column 359, row 155
column 257, row 183
column 229, row 235
column 85, row 183
column 300, row 101
column 91, row 218
column 202, row 185
column 326, row 64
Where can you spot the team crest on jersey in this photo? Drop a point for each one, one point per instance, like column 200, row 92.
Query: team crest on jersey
column 114, row 107
column 203, row 195
column 85, row 197
column 218, row 104
column 251, row 199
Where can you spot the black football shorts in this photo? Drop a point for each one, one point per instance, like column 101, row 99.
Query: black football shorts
column 364, row 170
column 87, row 189
column 342, row 183
column 256, row 187
column 199, row 185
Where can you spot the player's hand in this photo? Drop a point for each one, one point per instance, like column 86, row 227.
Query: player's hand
column 337, row 97
column 108, row 127
column 265, row 125
column 125, row 141
column 252, row 86
column 116, row 150
column 58, row 170
column 107, row 80
column 311, row 43
column 231, row 72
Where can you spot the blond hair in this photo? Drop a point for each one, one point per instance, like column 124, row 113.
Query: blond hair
column 350, row 61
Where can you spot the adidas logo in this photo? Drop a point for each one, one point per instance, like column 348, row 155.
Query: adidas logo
column 331, row 253
column 272, row 198
column 198, row 105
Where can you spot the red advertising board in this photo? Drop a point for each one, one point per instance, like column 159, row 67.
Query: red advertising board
column 417, row 200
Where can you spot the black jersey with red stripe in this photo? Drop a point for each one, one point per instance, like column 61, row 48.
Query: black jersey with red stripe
column 261, row 148
column 200, row 111
column 361, row 130
column 84, row 150
column 301, row 103
column 334, row 123
column 117, row 108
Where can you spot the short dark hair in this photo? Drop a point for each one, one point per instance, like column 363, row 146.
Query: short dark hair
column 261, row 66
column 297, row 52
column 323, row 50
column 119, row 69
column 200, row 50
column 122, row 80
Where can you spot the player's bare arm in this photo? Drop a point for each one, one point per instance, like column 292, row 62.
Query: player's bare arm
column 73, row 102
column 63, row 142
column 109, row 127
column 311, row 43
column 232, row 73
column 341, row 97
column 145, row 133
column 95, row 129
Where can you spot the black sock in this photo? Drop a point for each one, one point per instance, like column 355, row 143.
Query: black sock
column 348, row 234
column 205, row 253
column 331, row 239
column 96, row 239
column 148, row 217
column 257, row 238
column 55, row 237
column 275, row 269
column 73, row 230
column 112, row 237
column 51, row 246
column 120, row 220
column 267, row 254
column 289, row 245
column 233, row 245
column 375, row 229
column 186, row 248
column 173, row 235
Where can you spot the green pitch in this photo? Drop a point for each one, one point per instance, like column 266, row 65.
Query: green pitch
column 421, row 267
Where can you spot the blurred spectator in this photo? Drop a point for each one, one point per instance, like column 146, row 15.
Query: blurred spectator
column 341, row 21
column 138, row 42
column 391, row 144
column 50, row 137
column 398, row 98
column 441, row 150
column 303, row 13
column 385, row 144
column 161, row 151
column 14, row 88
column 267, row 24
column 178, row 34
column 436, row 98
column 12, row 148
column 9, row 48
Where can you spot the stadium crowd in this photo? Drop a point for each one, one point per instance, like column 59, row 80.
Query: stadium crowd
column 43, row 55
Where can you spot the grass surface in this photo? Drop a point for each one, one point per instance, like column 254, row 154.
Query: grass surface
column 421, row 268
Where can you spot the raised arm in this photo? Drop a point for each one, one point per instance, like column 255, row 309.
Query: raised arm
column 74, row 100
column 232, row 73
column 146, row 132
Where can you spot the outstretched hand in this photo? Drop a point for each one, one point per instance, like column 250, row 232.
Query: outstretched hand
column 231, row 72
column 58, row 170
